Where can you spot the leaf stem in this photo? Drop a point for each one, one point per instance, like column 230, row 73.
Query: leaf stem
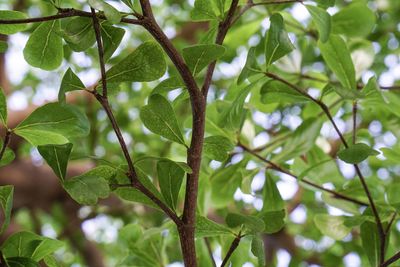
column 7, row 139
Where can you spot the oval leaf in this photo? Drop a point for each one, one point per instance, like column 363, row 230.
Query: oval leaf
column 11, row 28
column 197, row 57
column 357, row 153
column 57, row 157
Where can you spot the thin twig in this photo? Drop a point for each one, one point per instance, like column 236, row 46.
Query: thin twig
column 7, row 139
column 391, row 260
column 278, row 168
column 96, row 26
column 232, row 248
column 210, row 253
column 354, row 122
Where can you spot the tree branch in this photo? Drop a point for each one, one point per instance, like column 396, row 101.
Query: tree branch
column 6, row 142
column 232, row 248
column 391, row 260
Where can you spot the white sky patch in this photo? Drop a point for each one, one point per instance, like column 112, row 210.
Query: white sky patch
column 102, row 229
column 346, row 169
column 283, row 258
column 299, row 12
column 299, row 215
column 17, row 101
column 15, row 63
column 287, row 188
column 352, row 260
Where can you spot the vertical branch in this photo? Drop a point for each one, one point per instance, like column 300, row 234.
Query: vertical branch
column 354, row 122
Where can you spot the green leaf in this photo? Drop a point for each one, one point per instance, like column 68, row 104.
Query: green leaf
column 217, row 147
column 357, row 153
column 332, row 226
column 274, row 220
column 272, row 198
column 372, row 95
column 354, row 20
column 249, row 67
column 325, row 3
column 159, row 117
column 112, row 37
column 167, row 85
column 70, row 82
column 3, row 108
column 170, row 177
column 53, row 123
column 252, row 223
column 338, row 59
column 21, row 262
column 110, row 12
column 197, row 57
column 301, row 141
column 3, row 46
column 277, row 42
column 276, row 92
column 44, row 48
column 370, row 242
column 87, row 188
column 208, row 228
column 224, row 183
column 145, row 64
column 78, row 33
column 6, row 201
column 257, row 248
column 322, row 20
column 8, row 156
column 203, row 10
column 30, row 245
column 12, row 28
column 57, row 157
column 393, row 196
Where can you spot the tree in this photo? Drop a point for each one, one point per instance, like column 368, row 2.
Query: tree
column 177, row 142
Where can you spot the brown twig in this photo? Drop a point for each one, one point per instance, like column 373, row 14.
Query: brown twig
column 232, row 248
column 208, row 245
column 391, row 260
column 6, row 142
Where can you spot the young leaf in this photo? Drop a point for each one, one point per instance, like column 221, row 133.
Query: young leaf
column 145, row 64
column 167, row 85
column 217, row 147
column 159, row 117
column 277, row 42
column 70, row 82
column 207, row 228
column 338, row 59
column 44, row 48
column 203, row 10
column 224, row 183
column 6, row 201
column 197, row 57
column 29, row 245
column 78, row 33
column 357, row 153
column 112, row 37
column 275, row 92
column 249, row 67
column 57, row 157
column 370, row 242
column 87, row 188
column 170, row 177
column 272, row 198
column 257, row 248
column 322, row 20
column 332, row 226
column 53, row 124
column 355, row 20
column 252, row 223
column 8, row 156
column 3, row 108
column 274, row 220
column 110, row 12
column 11, row 28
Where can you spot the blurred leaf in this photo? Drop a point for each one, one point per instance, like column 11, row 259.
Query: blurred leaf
column 272, row 200
column 393, row 195
column 322, row 20
column 217, row 147
column 12, row 28
column 197, row 57
column 110, row 12
column 70, row 82
column 252, row 223
column 337, row 57
column 53, row 124
column 6, row 202
column 357, row 153
column 21, row 262
column 257, row 248
column 224, row 183
column 249, row 67
column 354, row 20
column 145, row 64
column 207, row 228
column 159, row 117
column 44, row 48
column 29, row 245
column 332, row 226
column 277, row 42
column 274, row 91
column 87, row 188
column 370, row 242
column 274, row 220
column 203, row 10
column 8, row 156
column 57, row 157
column 3, row 47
